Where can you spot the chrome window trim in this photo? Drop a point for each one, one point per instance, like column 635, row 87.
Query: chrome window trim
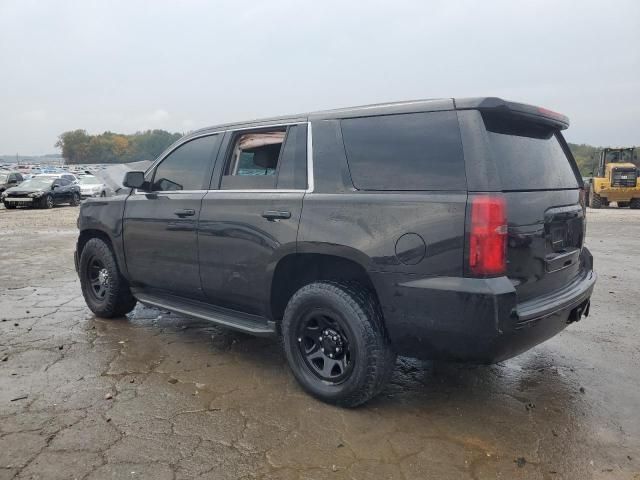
column 165, row 192
column 265, row 190
column 310, row 179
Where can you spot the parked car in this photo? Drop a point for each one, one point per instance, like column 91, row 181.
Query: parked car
column 9, row 179
column 43, row 191
column 91, row 186
column 66, row 175
column 440, row 229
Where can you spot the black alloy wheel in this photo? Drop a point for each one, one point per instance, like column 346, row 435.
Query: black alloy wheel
column 97, row 278
column 325, row 346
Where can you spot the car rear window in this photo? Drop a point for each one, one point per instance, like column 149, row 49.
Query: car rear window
column 416, row 151
column 529, row 156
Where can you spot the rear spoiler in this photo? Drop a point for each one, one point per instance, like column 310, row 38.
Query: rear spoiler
column 498, row 105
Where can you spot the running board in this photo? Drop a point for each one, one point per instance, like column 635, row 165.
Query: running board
column 244, row 322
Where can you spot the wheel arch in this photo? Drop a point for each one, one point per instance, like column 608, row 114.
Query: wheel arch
column 295, row 270
column 88, row 234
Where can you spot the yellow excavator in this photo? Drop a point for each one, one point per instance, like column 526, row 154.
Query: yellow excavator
column 615, row 178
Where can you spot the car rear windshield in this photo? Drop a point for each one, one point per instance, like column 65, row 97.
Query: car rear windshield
column 415, row 151
column 528, row 156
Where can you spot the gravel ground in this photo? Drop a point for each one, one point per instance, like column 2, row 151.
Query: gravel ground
column 163, row 396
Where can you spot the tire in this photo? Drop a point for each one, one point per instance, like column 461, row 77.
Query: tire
column 104, row 289
column 634, row 203
column 75, row 200
column 623, row 204
column 595, row 200
column 47, row 202
column 363, row 360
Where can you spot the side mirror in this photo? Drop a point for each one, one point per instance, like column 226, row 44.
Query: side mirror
column 53, row 187
column 134, row 180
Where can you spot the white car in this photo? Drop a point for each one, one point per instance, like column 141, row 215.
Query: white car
column 91, row 186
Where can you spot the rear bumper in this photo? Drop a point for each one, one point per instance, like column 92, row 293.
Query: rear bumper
column 477, row 320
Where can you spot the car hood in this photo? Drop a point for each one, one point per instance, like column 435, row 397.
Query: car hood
column 23, row 190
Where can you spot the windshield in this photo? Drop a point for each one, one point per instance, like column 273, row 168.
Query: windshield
column 88, row 181
column 37, row 183
column 622, row 156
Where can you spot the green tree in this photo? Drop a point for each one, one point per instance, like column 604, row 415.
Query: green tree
column 108, row 147
column 74, row 145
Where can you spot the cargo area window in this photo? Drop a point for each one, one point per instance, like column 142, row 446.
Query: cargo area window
column 529, row 156
column 254, row 160
column 415, row 151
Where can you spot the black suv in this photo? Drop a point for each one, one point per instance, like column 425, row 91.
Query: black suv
column 438, row 229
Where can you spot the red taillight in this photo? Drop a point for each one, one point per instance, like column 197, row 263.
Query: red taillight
column 488, row 235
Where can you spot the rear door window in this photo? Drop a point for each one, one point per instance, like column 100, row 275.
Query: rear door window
column 254, row 160
column 529, row 156
column 416, row 151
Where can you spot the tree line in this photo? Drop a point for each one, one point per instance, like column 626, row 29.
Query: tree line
column 584, row 155
column 80, row 147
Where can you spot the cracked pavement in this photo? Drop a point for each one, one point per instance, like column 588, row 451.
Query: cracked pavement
column 163, row 396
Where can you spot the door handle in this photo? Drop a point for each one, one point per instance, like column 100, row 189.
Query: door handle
column 185, row 212
column 273, row 215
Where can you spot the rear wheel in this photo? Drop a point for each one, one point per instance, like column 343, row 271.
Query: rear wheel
column 104, row 289
column 634, row 203
column 335, row 342
column 595, row 200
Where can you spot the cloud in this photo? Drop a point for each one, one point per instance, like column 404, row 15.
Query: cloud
column 158, row 117
column 39, row 115
column 86, row 65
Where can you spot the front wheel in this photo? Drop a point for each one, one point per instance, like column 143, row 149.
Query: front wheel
column 47, row 202
column 104, row 289
column 75, row 200
column 595, row 200
column 335, row 342
column 635, row 203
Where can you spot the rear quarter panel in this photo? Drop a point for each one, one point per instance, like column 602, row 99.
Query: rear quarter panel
column 370, row 225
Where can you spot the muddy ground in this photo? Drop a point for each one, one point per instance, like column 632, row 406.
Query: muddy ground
column 163, row 396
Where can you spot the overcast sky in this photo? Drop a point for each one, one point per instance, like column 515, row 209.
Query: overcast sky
column 133, row 65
